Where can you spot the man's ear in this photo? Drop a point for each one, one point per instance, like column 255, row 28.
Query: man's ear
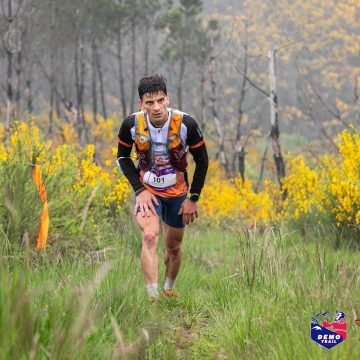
column 140, row 105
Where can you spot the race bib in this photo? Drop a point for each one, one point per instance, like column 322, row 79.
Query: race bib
column 160, row 179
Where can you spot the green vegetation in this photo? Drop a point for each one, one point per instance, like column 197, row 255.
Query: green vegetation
column 244, row 292
column 242, row 295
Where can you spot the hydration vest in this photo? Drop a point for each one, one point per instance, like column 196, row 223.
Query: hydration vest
column 175, row 147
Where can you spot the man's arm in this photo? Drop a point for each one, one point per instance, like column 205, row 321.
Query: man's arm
column 201, row 160
column 125, row 143
column 197, row 149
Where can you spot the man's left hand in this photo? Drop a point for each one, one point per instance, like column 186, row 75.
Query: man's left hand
column 189, row 211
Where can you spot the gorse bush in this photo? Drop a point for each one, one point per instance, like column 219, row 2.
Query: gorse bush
column 77, row 188
column 327, row 194
column 233, row 200
column 342, row 189
column 82, row 193
column 20, row 205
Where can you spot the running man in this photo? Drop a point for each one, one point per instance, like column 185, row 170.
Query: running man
column 162, row 137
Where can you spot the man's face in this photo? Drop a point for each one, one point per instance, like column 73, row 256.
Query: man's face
column 155, row 104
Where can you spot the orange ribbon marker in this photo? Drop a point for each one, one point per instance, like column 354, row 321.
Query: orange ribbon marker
column 44, row 225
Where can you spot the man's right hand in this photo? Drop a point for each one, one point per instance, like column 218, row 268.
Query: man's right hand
column 144, row 202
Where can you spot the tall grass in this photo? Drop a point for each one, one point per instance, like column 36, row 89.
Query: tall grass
column 242, row 295
column 262, row 296
column 70, row 308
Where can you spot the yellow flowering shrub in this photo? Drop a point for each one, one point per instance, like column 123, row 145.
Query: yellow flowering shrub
column 103, row 133
column 232, row 199
column 69, row 134
column 104, row 130
column 342, row 181
column 331, row 188
column 62, row 158
column 69, row 162
column 2, row 132
column 275, row 198
column 3, row 152
column 29, row 138
column 118, row 197
column 300, row 185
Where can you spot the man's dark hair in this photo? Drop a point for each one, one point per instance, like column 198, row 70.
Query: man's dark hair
column 151, row 84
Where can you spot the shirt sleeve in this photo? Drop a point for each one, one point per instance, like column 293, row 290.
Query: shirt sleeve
column 124, row 136
column 197, row 148
column 125, row 143
column 195, row 137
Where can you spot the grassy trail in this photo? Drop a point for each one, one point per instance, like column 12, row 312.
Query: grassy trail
column 247, row 296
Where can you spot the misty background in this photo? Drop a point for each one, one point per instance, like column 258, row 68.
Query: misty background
column 61, row 59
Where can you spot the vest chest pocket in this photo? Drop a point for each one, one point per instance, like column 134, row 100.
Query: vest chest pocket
column 160, row 179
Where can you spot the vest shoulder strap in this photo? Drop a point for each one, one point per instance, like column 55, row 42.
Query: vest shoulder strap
column 174, row 137
column 175, row 122
column 142, row 132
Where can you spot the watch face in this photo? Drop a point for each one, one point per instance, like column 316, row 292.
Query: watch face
column 194, row 197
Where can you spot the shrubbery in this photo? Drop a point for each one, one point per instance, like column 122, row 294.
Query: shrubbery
column 82, row 193
column 327, row 194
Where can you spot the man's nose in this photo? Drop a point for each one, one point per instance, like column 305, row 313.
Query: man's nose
column 156, row 106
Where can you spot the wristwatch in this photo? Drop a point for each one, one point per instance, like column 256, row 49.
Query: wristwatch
column 194, row 197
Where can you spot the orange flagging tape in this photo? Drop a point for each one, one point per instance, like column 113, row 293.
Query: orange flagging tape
column 44, row 225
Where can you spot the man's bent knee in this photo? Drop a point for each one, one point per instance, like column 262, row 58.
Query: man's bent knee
column 150, row 240
column 174, row 251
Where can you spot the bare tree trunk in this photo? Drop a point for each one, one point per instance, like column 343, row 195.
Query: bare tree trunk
column 79, row 68
column 239, row 146
column 52, row 89
column 85, row 129
column 66, row 95
column 357, row 103
column 133, row 63
column 28, row 92
column 93, row 81
column 219, row 130
column 79, row 58
column 101, row 82
column 52, row 97
column 180, row 79
column 182, row 64
column 78, row 120
column 9, row 92
column 203, row 101
column 18, row 81
column 57, row 107
column 146, row 47
column 12, row 45
column 262, row 167
column 9, row 89
column 275, row 132
column 52, row 66
column 202, row 89
column 121, row 75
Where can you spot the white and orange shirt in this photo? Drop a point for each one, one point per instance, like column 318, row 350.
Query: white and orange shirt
column 191, row 136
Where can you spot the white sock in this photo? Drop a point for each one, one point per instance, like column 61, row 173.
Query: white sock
column 153, row 290
column 169, row 283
